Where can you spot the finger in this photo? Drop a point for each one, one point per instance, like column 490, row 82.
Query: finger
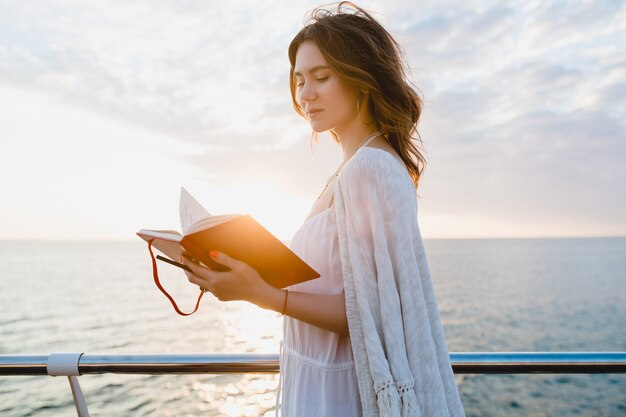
column 194, row 279
column 224, row 259
column 191, row 275
column 186, row 258
column 186, row 255
column 197, row 273
column 196, row 268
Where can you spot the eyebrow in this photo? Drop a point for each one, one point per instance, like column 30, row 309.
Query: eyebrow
column 312, row 70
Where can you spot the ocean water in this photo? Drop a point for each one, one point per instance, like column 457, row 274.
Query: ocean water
column 494, row 295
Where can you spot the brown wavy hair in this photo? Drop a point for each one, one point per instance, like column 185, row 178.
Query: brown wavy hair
column 365, row 56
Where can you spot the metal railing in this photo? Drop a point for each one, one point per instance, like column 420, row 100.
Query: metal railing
column 75, row 364
column 462, row 363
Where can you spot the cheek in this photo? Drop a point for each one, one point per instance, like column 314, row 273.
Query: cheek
column 337, row 97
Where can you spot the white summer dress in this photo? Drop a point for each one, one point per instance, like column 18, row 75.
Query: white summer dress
column 317, row 371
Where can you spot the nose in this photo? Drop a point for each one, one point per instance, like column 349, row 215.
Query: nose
column 307, row 93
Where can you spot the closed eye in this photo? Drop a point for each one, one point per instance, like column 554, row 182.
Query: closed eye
column 318, row 79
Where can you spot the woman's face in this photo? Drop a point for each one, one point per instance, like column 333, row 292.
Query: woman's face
column 326, row 100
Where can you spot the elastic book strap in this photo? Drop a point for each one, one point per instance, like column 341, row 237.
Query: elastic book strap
column 158, row 284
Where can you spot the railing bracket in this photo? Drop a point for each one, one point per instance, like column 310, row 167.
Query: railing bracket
column 66, row 364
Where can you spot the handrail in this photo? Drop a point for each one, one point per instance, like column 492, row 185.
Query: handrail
column 462, row 363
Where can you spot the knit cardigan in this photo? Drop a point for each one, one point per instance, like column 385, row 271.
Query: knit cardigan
column 399, row 347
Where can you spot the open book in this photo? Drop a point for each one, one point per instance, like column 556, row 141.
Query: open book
column 237, row 235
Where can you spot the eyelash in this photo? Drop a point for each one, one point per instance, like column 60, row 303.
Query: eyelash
column 318, row 79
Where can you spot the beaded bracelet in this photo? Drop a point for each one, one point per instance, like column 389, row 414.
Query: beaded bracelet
column 285, row 304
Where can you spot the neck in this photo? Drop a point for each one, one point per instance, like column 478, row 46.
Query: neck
column 351, row 139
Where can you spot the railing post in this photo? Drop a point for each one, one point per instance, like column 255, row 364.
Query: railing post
column 67, row 364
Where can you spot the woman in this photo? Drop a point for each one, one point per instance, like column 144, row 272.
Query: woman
column 365, row 338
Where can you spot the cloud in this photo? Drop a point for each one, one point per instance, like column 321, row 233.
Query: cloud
column 523, row 114
column 181, row 69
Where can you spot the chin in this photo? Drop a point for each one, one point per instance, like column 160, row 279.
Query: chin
column 318, row 127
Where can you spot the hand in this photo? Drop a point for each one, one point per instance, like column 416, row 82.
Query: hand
column 242, row 282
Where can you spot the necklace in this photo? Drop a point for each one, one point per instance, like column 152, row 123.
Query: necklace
column 363, row 143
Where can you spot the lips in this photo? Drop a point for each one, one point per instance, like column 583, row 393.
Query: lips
column 313, row 112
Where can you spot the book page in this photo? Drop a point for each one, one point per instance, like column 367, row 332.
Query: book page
column 191, row 211
column 210, row 222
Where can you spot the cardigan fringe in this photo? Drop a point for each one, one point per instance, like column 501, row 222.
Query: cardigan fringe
column 410, row 405
column 397, row 400
column 388, row 400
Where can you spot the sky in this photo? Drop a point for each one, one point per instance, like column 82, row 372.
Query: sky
column 107, row 108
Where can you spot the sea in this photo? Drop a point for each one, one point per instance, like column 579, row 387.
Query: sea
column 494, row 295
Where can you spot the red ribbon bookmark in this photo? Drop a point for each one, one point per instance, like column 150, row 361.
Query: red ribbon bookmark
column 158, row 284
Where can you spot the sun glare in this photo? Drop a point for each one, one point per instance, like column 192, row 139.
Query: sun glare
column 267, row 201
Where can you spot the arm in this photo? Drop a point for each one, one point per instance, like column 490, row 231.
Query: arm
column 243, row 282
column 327, row 311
